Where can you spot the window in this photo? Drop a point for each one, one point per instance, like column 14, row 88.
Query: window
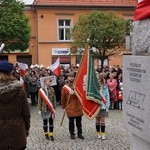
column 64, row 28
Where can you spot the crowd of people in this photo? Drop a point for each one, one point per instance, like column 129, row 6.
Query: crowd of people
column 113, row 77
column 110, row 81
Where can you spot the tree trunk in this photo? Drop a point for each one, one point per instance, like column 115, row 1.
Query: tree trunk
column 102, row 63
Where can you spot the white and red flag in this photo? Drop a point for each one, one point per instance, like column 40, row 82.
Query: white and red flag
column 22, row 67
column 142, row 10
column 55, row 67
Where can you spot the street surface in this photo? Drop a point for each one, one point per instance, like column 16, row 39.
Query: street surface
column 117, row 138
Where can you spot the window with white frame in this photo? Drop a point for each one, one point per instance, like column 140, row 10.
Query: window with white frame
column 64, row 28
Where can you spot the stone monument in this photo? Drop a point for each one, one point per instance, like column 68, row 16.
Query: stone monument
column 136, row 77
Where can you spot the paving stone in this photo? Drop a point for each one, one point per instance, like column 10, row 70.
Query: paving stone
column 117, row 138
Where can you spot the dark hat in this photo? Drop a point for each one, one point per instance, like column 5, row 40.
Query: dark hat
column 71, row 74
column 5, row 66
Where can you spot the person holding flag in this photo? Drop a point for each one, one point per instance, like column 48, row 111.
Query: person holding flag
column 47, row 106
column 72, row 106
column 103, row 113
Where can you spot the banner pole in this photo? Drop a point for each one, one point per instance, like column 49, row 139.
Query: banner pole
column 65, row 109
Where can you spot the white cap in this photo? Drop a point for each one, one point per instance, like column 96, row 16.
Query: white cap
column 77, row 65
column 41, row 66
column 36, row 65
column 32, row 66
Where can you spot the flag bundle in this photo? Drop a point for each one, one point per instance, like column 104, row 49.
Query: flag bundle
column 86, row 86
column 142, row 10
column 55, row 67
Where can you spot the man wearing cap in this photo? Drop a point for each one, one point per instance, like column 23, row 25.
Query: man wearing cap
column 73, row 107
column 14, row 110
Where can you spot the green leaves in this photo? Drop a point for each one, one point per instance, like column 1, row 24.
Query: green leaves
column 105, row 31
column 14, row 26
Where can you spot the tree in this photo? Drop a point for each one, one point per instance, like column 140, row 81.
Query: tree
column 105, row 31
column 14, row 26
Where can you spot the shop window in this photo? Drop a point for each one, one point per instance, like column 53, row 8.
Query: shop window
column 27, row 59
column 64, row 29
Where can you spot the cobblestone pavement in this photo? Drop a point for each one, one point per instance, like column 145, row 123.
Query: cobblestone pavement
column 117, row 137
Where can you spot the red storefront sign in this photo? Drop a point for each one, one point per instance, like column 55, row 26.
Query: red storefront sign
column 63, row 60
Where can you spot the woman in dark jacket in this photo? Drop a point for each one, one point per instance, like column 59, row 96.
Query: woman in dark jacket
column 14, row 111
column 33, row 87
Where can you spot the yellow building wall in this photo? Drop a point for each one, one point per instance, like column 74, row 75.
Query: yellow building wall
column 32, row 44
column 12, row 58
column 47, row 33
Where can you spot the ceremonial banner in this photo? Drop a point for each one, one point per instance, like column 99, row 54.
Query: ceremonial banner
column 93, row 88
column 81, row 84
column 142, row 10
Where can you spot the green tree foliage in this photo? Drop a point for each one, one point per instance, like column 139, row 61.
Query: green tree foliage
column 14, row 26
column 104, row 30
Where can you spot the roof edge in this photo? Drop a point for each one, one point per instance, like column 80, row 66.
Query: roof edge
column 83, row 6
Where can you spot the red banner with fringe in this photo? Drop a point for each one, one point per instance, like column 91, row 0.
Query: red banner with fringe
column 90, row 107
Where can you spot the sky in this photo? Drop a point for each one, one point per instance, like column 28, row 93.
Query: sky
column 27, row 1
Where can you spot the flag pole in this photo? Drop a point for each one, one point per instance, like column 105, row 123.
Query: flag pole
column 65, row 110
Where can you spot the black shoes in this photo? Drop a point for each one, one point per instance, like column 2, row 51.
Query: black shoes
column 80, row 136
column 47, row 137
column 72, row 136
column 51, row 138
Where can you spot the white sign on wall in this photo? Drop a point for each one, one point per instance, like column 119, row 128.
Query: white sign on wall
column 136, row 90
column 60, row 51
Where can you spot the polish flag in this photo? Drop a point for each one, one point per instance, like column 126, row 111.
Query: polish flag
column 22, row 67
column 55, row 67
column 142, row 10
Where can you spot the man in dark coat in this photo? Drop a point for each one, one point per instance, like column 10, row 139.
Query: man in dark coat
column 14, row 111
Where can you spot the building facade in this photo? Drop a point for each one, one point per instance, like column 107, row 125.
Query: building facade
column 52, row 20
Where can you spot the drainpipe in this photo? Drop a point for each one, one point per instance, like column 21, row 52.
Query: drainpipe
column 36, row 28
